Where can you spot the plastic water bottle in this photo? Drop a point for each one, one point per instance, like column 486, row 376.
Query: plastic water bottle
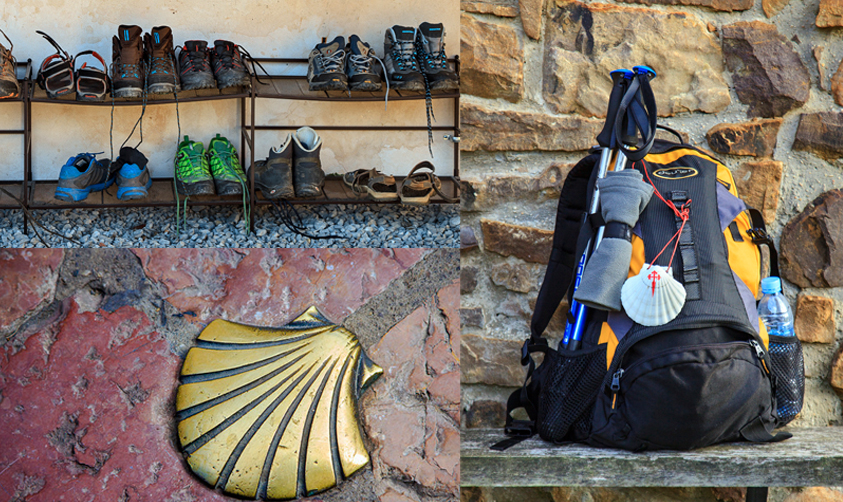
column 774, row 310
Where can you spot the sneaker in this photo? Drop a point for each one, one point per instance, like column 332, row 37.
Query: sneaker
column 229, row 178
column 274, row 176
column 133, row 179
column 127, row 67
column 308, row 176
column 228, row 66
column 193, row 174
column 82, row 175
column 360, row 67
column 161, row 59
column 326, row 66
column 9, row 87
column 430, row 53
column 402, row 69
column 195, row 66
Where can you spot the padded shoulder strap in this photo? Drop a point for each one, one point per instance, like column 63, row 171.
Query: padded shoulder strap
column 759, row 235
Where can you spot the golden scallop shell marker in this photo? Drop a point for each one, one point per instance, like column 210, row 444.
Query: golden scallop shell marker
column 271, row 413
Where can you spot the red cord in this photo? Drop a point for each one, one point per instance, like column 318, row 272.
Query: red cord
column 682, row 213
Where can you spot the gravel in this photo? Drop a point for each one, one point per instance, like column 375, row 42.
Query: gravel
column 373, row 226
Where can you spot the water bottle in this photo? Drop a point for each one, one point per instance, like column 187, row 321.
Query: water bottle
column 774, row 310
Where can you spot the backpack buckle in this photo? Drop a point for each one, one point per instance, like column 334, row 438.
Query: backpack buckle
column 759, row 236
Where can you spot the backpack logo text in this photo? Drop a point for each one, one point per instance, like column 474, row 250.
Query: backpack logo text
column 675, row 173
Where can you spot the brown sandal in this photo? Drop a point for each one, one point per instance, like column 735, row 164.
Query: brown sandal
column 378, row 185
column 418, row 187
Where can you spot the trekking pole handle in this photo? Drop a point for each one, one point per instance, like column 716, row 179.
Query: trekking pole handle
column 620, row 79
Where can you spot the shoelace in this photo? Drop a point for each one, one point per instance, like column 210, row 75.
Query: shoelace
column 162, row 65
column 334, row 62
column 224, row 158
column 428, row 98
column 364, row 63
column 197, row 60
column 291, row 218
column 403, row 53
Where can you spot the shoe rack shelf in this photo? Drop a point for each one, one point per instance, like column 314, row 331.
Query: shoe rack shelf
column 39, row 194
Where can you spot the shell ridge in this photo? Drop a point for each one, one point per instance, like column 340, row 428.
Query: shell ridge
column 214, row 345
column 216, row 375
column 301, row 480
column 335, row 399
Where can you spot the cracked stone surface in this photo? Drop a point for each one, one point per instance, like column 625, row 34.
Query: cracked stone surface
column 89, row 370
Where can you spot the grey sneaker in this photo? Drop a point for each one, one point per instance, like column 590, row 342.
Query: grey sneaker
column 82, row 175
column 362, row 66
column 430, row 53
column 308, row 176
column 229, row 70
column 195, row 66
column 399, row 50
column 9, row 87
column 326, row 66
column 274, row 176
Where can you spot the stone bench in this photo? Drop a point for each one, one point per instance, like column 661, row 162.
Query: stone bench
column 813, row 457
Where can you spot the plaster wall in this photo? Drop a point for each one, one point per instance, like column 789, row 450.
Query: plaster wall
column 266, row 28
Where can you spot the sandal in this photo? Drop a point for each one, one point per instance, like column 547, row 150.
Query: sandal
column 91, row 82
column 379, row 186
column 56, row 73
column 418, row 187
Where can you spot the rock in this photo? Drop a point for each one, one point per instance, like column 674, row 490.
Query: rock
column 500, row 8
column 835, row 376
column 467, row 239
column 759, row 183
column 468, row 279
column 494, row 189
column 517, row 277
column 830, row 14
column 767, row 73
column 756, row 138
column 492, row 60
column 529, row 244
column 814, row 319
column 816, row 494
column 28, row 280
column 490, row 361
column 773, row 7
column 512, row 308
column 811, row 251
column 494, row 130
column 729, row 494
column 531, row 17
column 821, row 134
column 723, row 5
column 818, row 57
column 485, row 413
column 837, row 85
column 472, row 317
column 583, row 41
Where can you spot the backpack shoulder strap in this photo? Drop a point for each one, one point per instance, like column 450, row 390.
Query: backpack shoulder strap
column 760, row 237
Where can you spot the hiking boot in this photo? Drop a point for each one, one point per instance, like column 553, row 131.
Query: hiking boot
column 133, row 179
column 82, row 175
column 228, row 66
column 163, row 78
column 193, row 175
column 360, row 67
column 229, row 178
column 195, row 66
column 274, row 176
column 402, row 69
column 308, row 176
column 9, row 87
column 127, row 67
column 326, row 66
column 430, row 53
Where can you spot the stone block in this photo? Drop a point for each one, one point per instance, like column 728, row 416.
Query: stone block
column 527, row 243
column 517, row 277
column 485, row 413
column 821, row 134
column 814, row 319
column 500, row 8
column 830, row 14
column 759, row 184
column 812, row 244
column 492, row 60
column 756, row 138
column 490, row 361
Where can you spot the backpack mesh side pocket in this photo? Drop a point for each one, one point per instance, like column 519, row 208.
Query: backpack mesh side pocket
column 789, row 370
column 569, row 392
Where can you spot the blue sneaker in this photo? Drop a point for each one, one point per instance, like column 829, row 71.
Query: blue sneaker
column 133, row 179
column 82, row 175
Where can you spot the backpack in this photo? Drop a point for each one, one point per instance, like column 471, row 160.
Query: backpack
column 710, row 375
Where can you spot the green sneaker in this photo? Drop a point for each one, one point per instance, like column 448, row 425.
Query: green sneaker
column 229, row 177
column 193, row 176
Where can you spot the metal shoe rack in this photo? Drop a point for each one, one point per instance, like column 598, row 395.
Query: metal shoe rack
column 39, row 194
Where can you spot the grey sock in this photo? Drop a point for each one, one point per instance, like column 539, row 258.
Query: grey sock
column 604, row 275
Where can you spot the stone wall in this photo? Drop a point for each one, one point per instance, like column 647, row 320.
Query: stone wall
column 760, row 83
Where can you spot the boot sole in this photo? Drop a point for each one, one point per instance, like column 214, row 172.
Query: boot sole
column 407, row 86
column 446, row 85
column 331, row 85
column 128, row 92
column 165, row 88
column 225, row 83
column 207, row 82
column 228, row 187
column 134, row 192
column 366, row 86
column 199, row 188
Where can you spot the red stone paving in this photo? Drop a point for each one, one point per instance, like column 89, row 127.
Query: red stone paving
column 272, row 286
column 28, row 278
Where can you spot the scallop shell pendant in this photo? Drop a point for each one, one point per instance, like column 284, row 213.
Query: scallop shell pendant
column 271, row 413
column 653, row 297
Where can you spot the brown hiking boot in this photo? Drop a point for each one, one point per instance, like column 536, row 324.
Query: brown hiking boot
column 308, row 176
column 163, row 78
column 9, row 87
column 127, row 67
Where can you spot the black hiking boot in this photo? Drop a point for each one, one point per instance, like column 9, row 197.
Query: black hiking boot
column 161, row 59
column 308, row 176
column 402, row 69
column 326, row 66
column 362, row 67
column 430, row 53
column 228, row 66
column 274, row 176
column 195, row 66
column 127, row 67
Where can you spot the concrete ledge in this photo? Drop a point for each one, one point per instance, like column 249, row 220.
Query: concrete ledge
column 813, row 457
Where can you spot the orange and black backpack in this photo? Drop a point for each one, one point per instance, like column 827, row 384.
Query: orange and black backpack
column 710, row 375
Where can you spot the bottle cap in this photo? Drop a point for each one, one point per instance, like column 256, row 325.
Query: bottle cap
column 771, row 285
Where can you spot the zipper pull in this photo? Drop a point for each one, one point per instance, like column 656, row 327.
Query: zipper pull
column 758, row 350
column 616, row 380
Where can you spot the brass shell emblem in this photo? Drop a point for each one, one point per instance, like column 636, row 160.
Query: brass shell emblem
column 271, row 413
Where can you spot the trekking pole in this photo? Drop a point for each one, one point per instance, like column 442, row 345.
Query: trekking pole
column 606, row 139
column 630, row 105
